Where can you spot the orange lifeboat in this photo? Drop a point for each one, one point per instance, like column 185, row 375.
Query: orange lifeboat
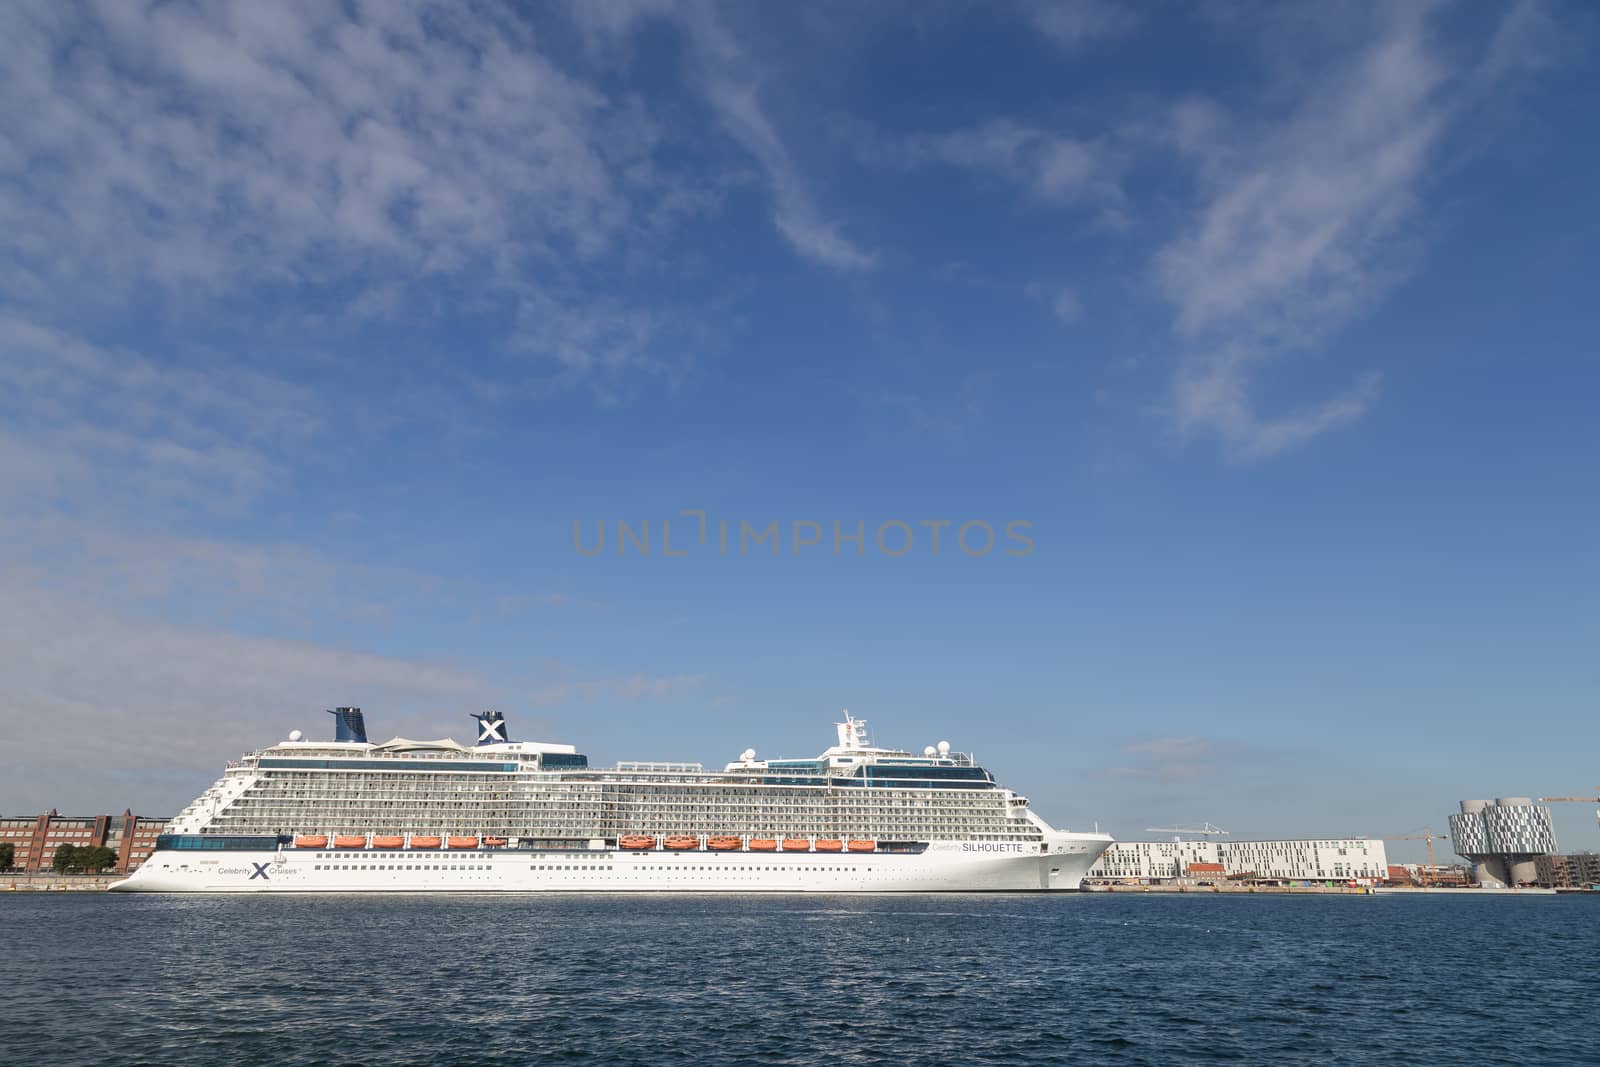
column 388, row 842
column 796, row 844
column 863, row 846
column 462, row 842
column 636, row 842
column 494, row 842
column 723, row 844
column 422, row 841
column 350, row 841
column 311, row 841
column 763, row 844
column 681, row 843
column 828, row 844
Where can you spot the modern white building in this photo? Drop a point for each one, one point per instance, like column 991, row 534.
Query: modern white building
column 1311, row 860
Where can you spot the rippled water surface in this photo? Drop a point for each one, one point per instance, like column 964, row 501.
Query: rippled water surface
column 1079, row 979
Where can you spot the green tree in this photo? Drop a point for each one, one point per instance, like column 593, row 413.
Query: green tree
column 98, row 858
column 66, row 858
column 8, row 855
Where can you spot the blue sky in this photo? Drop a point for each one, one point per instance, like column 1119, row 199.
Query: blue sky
column 321, row 325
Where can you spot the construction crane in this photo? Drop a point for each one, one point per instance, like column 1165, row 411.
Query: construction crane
column 1427, row 835
column 1205, row 829
column 1574, row 800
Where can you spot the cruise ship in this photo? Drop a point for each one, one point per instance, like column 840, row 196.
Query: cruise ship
column 351, row 816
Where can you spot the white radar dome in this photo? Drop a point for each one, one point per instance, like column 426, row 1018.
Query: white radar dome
column 295, row 735
column 748, row 754
column 944, row 748
column 930, row 751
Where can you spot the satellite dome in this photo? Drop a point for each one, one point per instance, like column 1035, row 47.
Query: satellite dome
column 295, row 735
column 748, row 754
column 930, row 751
column 944, row 748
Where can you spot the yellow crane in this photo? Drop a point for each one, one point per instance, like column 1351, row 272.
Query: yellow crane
column 1429, row 836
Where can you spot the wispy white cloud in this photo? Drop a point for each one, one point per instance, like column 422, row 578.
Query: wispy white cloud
column 570, row 687
column 106, row 424
column 1076, row 23
column 1303, row 226
column 1051, row 166
column 1289, row 236
column 584, row 335
column 731, row 82
column 1063, row 301
column 1169, row 759
column 85, row 654
column 131, row 690
column 196, row 156
column 1066, row 305
column 213, row 144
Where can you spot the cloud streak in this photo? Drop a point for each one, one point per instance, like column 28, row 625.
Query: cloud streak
column 730, row 81
column 1074, row 24
column 1303, row 226
column 96, row 423
column 1053, row 168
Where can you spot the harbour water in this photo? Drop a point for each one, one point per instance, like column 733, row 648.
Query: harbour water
column 1080, row 979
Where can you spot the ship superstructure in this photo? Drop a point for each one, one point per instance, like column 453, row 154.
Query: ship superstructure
column 352, row 815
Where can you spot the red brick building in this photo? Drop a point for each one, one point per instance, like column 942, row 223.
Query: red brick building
column 36, row 837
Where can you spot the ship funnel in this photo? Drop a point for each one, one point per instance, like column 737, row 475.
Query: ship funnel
column 491, row 728
column 350, row 726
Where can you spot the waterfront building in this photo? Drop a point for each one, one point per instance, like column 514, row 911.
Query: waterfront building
column 1309, row 860
column 35, row 838
column 1503, row 840
column 1575, row 870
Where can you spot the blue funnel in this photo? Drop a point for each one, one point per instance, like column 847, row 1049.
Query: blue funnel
column 350, row 725
column 491, row 728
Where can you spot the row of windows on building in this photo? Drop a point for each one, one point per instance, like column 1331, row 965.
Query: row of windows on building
column 35, row 840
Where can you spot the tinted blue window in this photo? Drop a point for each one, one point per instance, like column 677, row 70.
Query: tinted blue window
column 208, row 842
column 275, row 762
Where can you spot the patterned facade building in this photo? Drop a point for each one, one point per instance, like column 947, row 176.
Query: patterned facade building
column 1503, row 839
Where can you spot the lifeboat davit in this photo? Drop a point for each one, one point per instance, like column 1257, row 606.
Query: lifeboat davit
column 723, row 844
column 350, row 841
column 463, row 842
column 423, row 841
column 636, row 841
column 311, row 841
column 828, row 844
column 681, row 843
column 388, row 842
column 494, row 842
column 763, row 844
column 863, row 846
column 796, row 844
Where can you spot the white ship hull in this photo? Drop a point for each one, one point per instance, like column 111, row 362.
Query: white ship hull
column 944, row 867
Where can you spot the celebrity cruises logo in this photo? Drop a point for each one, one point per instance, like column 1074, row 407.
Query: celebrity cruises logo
column 695, row 533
